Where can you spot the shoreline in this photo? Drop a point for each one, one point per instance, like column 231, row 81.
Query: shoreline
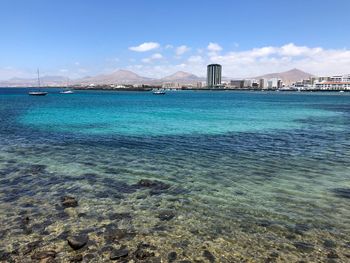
column 147, row 89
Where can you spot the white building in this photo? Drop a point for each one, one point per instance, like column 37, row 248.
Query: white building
column 334, row 83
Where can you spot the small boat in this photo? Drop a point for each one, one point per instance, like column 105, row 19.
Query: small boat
column 66, row 92
column 159, row 92
column 341, row 91
column 38, row 93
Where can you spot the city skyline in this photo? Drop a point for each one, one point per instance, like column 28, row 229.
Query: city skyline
column 156, row 39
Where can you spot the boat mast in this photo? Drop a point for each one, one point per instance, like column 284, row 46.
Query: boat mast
column 38, row 78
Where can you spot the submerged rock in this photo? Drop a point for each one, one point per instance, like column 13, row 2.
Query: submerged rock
column 208, row 255
column 301, row 228
column 36, row 168
column 113, row 234
column 342, row 192
column 76, row 258
column 4, row 256
column 166, row 215
column 172, row 256
column 332, row 254
column 31, row 247
column 303, row 246
column 119, row 253
column 77, row 242
column 329, row 243
column 120, row 216
column 156, row 187
column 40, row 255
column 144, row 251
column 69, row 201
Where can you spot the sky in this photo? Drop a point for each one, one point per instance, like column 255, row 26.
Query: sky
column 154, row 38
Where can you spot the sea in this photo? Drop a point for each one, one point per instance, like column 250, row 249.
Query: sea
column 190, row 176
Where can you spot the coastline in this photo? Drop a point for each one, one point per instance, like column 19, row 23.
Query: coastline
column 150, row 88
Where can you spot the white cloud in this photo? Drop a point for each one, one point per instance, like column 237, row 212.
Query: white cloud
column 258, row 61
column 195, row 59
column 147, row 46
column 180, row 50
column 155, row 56
column 315, row 60
column 214, row 47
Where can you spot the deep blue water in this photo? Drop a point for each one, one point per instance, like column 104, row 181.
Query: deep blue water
column 248, row 174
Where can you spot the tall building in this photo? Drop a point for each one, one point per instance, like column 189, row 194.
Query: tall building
column 213, row 75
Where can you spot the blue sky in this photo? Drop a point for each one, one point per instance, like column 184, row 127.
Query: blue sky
column 85, row 37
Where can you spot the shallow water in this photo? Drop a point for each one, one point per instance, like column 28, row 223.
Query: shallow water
column 248, row 177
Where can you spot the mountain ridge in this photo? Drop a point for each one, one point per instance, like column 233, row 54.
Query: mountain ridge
column 288, row 77
column 123, row 76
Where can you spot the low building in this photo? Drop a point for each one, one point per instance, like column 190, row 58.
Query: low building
column 333, row 85
column 171, row 85
column 237, row 84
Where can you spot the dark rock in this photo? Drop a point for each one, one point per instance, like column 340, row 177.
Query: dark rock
column 113, row 234
column 36, row 169
column 25, row 220
column 152, row 184
column 185, row 261
column 342, row 192
column 146, row 246
column 301, row 228
column 332, row 254
column 143, row 251
column 120, row 216
column 328, row 243
column 172, row 256
column 76, row 258
column 107, row 249
column 264, row 223
column 89, row 257
column 303, row 246
column 30, row 247
column 183, row 244
column 119, row 253
column 69, row 201
column 4, row 256
column 77, row 242
column 208, row 255
column 160, row 228
column 63, row 235
column 44, row 255
column 142, row 254
column 274, row 254
column 166, row 215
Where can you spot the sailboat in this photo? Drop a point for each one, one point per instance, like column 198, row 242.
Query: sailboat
column 37, row 93
column 67, row 90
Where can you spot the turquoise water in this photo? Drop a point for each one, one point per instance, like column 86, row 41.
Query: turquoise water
column 249, row 176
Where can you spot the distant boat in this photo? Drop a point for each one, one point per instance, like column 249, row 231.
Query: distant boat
column 67, row 90
column 37, row 93
column 159, row 92
column 341, row 91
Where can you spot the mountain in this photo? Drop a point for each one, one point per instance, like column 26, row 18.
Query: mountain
column 287, row 77
column 117, row 77
column 33, row 82
column 129, row 77
column 181, row 77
